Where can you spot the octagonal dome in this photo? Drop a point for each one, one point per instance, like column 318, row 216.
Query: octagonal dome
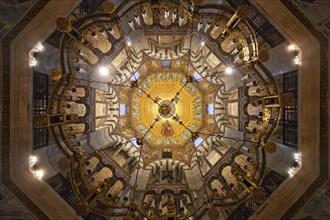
column 163, row 110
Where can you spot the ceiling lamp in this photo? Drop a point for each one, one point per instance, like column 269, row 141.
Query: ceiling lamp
column 103, row 71
column 229, row 70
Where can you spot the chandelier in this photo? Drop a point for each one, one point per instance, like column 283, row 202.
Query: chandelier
column 166, row 81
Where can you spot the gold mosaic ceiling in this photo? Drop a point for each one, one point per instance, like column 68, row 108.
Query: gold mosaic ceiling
column 150, row 129
column 162, row 84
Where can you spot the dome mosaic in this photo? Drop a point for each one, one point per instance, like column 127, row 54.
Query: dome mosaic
column 177, row 102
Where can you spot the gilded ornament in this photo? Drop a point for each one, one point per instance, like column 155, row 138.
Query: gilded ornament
column 213, row 213
column 287, row 99
column 82, row 208
column 258, row 194
column 270, row 147
column 63, row 25
column 242, row 11
column 56, row 74
column 64, row 163
column 108, row 6
column 263, row 56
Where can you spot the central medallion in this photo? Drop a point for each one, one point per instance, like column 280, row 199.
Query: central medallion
column 166, row 100
column 166, row 109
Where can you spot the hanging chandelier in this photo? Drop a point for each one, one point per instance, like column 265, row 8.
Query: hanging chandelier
column 155, row 76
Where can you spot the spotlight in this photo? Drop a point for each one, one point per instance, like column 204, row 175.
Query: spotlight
column 33, row 159
column 129, row 43
column 103, row 71
column 202, row 43
column 39, row 174
column 291, row 47
column 39, row 47
column 228, row 70
column 33, row 62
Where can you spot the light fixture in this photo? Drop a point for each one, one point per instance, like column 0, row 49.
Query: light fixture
column 34, row 167
column 39, row 47
column 103, row 71
column 129, row 197
column 39, row 173
column 295, row 164
column 291, row 47
column 33, row 62
column 297, row 160
column 33, row 159
column 35, row 54
column 295, row 53
column 228, row 70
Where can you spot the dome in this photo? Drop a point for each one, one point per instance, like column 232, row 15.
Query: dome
column 165, row 110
